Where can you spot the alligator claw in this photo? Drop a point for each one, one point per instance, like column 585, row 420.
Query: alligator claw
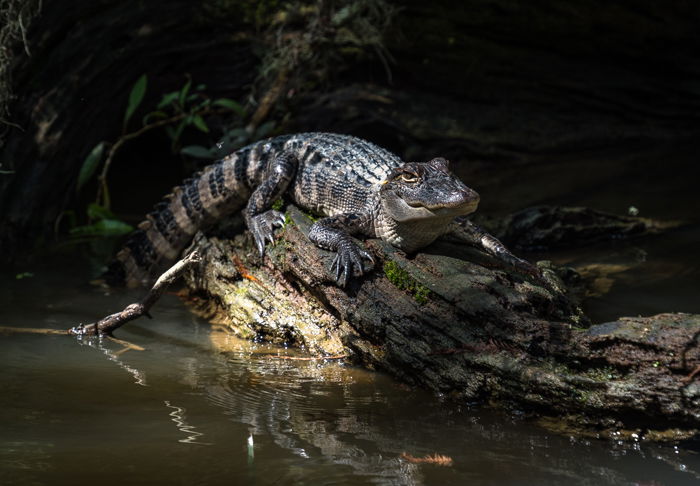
column 348, row 262
column 262, row 226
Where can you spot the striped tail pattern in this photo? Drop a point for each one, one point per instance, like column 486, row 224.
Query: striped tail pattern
column 219, row 189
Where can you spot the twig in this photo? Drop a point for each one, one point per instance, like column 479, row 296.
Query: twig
column 29, row 330
column 102, row 177
column 109, row 324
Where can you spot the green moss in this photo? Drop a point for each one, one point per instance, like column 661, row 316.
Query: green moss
column 402, row 280
column 278, row 204
column 310, row 216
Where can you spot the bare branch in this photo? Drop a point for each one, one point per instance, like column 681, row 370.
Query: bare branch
column 109, row 324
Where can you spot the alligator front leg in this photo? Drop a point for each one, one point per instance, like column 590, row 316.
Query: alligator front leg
column 333, row 233
column 260, row 219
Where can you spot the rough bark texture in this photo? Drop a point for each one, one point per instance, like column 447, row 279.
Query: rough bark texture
column 454, row 321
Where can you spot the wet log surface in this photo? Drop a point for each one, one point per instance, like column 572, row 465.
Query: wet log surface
column 453, row 320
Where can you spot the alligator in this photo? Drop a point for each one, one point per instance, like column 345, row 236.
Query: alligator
column 360, row 189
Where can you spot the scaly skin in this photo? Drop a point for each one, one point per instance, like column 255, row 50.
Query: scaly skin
column 360, row 188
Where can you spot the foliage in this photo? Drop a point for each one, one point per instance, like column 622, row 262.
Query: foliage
column 135, row 98
column 175, row 112
column 92, row 161
column 101, row 223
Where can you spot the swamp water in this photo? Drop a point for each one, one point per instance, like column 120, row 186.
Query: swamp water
column 198, row 407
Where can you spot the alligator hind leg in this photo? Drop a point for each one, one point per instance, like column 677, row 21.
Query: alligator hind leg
column 465, row 231
column 260, row 219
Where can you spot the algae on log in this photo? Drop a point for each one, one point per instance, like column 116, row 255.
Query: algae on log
column 456, row 321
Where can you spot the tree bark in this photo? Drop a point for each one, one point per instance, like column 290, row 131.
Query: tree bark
column 455, row 321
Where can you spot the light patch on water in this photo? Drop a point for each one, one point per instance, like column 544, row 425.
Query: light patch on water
column 178, row 416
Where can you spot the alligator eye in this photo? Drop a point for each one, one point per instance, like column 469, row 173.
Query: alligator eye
column 410, row 178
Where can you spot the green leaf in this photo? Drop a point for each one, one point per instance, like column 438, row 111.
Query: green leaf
column 92, row 161
column 135, row 97
column 230, row 104
column 200, row 123
column 183, row 92
column 22, row 275
column 168, row 98
column 175, row 134
column 97, row 212
column 154, row 115
column 197, row 151
column 206, row 102
column 103, row 227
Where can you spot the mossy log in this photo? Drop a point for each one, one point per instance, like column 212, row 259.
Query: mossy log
column 455, row 321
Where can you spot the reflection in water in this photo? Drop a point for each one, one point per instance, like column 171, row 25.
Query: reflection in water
column 98, row 343
column 178, row 416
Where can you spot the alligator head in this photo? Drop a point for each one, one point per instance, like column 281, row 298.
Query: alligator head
column 426, row 190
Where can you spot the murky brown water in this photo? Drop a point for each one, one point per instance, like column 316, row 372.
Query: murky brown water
column 184, row 410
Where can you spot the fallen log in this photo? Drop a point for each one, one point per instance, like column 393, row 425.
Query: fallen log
column 454, row 320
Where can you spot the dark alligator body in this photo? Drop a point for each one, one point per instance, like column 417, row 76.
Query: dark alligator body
column 360, row 188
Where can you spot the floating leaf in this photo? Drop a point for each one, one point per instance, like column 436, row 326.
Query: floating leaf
column 197, row 151
column 200, row 123
column 92, row 161
column 135, row 97
column 230, row 104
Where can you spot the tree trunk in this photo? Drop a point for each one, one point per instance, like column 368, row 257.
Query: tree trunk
column 453, row 320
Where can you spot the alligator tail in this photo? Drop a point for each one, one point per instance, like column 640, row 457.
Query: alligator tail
column 218, row 190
